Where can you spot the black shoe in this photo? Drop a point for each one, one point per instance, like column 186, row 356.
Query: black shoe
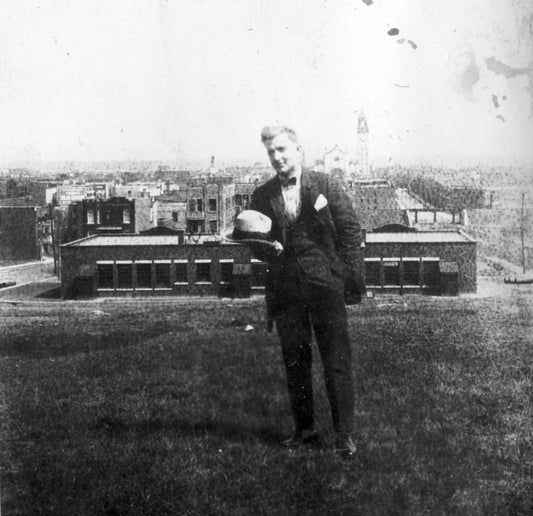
column 303, row 438
column 345, row 447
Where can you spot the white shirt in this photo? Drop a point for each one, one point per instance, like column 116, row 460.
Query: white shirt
column 291, row 198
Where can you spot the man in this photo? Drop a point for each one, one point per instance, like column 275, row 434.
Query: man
column 313, row 218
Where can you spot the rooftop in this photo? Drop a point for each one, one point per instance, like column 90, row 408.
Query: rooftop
column 419, row 237
column 134, row 240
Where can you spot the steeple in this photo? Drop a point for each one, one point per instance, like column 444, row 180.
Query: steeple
column 362, row 125
column 363, row 167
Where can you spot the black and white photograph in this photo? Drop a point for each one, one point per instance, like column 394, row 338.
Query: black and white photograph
column 267, row 257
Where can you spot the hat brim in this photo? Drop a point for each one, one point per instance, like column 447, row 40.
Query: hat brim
column 267, row 243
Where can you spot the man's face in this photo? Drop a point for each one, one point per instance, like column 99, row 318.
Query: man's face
column 285, row 154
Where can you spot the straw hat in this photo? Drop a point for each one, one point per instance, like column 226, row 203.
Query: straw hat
column 251, row 226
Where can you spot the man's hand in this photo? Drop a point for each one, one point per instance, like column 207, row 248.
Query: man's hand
column 277, row 248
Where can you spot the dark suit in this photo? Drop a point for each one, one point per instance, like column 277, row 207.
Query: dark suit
column 306, row 288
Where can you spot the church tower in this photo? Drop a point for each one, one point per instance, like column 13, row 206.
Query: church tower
column 363, row 167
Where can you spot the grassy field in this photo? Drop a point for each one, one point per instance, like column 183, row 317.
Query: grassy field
column 162, row 407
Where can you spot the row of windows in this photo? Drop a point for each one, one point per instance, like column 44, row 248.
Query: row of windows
column 163, row 275
column 242, row 200
column 198, row 226
column 402, row 272
column 194, row 205
column 198, row 204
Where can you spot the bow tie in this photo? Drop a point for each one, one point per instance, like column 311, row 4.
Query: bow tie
column 290, row 181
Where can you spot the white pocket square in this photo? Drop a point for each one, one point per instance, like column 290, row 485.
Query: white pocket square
column 320, row 202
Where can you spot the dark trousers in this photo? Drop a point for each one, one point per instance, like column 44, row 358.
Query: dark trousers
column 306, row 307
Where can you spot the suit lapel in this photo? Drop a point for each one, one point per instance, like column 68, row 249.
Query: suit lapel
column 309, row 194
column 278, row 207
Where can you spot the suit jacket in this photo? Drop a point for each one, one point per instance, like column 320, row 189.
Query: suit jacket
column 324, row 242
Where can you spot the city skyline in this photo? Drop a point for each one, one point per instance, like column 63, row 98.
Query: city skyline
column 179, row 82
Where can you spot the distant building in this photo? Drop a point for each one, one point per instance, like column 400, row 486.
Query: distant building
column 67, row 194
column 42, row 192
column 210, row 207
column 115, row 215
column 138, row 190
column 171, row 210
column 167, row 175
column 336, row 163
column 376, row 204
column 243, row 195
column 25, row 233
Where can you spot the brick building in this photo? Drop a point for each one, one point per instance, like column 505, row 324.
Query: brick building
column 25, row 233
column 115, row 215
column 171, row 210
column 414, row 261
column 122, row 265
column 67, row 194
column 210, row 207
column 118, row 265
column 243, row 195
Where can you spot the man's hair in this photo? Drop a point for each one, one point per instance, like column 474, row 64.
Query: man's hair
column 270, row 132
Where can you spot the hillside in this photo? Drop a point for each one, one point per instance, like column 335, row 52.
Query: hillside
column 172, row 407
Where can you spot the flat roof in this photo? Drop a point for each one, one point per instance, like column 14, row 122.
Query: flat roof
column 419, row 237
column 134, row 240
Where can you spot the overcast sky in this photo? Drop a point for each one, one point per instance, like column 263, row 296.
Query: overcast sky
column 186, row 79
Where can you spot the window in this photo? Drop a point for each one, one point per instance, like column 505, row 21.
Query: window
column 105, row 275
column 226, row 271
column 180, row 268
column 162, row 275
column 126, row 217
column 411, row 272
column 431, row 272
column 238, row 200
column 391, row 272
column 373, row 272
column 213, row 226
column 175, row 216
column 90, row 216
column 124, row 275
column 245, row 201
column 192, row 204
column 144, row 275
column 98, row 216
column 203, row 271
column 195, row 227
column 199, row 205
column 212, row 206
column 259, row 272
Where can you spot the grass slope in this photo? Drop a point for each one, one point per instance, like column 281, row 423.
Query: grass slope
column 164, row 408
